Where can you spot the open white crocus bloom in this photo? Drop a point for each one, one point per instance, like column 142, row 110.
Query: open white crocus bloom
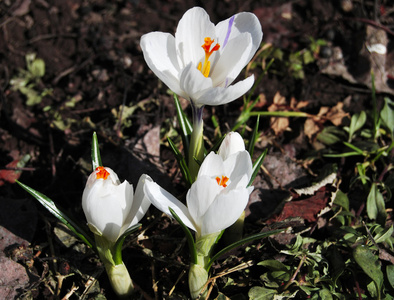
column 218, row 196
column 111, row 207
column 202, row 60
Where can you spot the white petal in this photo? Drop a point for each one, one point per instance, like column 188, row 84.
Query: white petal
column 112, row 176
column 106, row 206
column 224, row 211
column 243, row 22
column 200, row 196
column 190, row 33
column 238, row 164
column 232, row 143
column 212, row 166
column 160, row 55
column 241, row 181
column 163, row 200
column 220, row 95
column 194, row 83
column 232, row 60
column 140, row 202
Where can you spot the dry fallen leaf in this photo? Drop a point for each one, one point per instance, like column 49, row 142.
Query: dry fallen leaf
column 309, row 203
column 334, row 114
column 278, row 125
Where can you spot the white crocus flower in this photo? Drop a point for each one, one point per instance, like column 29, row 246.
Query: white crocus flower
column 202, row 60
column 231, row 144
column 216, row 199
column 111, row 207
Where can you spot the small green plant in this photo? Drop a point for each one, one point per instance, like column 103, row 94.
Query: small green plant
column 371, row 144
column 293, row 63
column 353, row 259
column 28, row 82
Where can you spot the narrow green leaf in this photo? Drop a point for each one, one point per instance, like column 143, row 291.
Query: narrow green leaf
column 222, row 297
column 387, row 115
column 385, row 235
column 331, row 135
column 189, row 237
column 342, row 200
column 117, row 256
column 372, row 210
column 346, row 154
column 390, row 274
column 181, row 161
column 370, row 265
column 246, row 112
column 274, row 265
column 241, row 242
column 253, row 138
column 216, row 146
column 256, row 166
column 261, row 293
column 184, row 124
column 280, row 114
column 96, row 158
column 53, row 209
column 376, row 209
column 216, row 125
column 351, row 146
column 325, row 294
column 357, row 122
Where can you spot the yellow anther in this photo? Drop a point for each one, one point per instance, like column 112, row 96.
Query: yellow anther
column 222, row 181
column 101, row 173
column 206, row 67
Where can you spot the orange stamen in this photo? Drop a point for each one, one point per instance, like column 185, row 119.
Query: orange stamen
column 207, row 64
column 223, row 181
column 101, row 173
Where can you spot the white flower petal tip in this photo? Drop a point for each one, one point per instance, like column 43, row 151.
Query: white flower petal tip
column 232, row 143
column 218, row 53
column 110, row 206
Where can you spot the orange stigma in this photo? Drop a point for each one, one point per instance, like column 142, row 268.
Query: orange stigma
column 101, row 173
column 207, row 64
column 222, row 182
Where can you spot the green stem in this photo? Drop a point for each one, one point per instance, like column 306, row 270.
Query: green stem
column 198, row 278
column 117, row 272
column 198, row 272
column 196, row 150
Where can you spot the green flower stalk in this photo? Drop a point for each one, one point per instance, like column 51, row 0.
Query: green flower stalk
column 197, row 149
column 117, row 272
column 198, row 278
column 112, row 211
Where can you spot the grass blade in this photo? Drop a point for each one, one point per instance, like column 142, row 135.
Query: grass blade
column 96, row 158
column 184, row 124
column 256, row 166
column 181, row 161
column 253, row 138
column 119, row 243
column 53, row 209
column 241, row 242
column 189, row 237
